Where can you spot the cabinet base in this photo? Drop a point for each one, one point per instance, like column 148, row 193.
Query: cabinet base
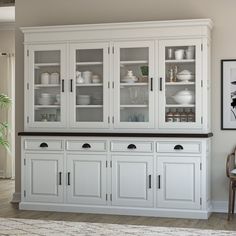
column 157, row 212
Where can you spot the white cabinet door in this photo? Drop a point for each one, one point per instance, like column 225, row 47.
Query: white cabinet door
column 178, row 182
column 86, row 179
column 46, row 90
column 43, row 177
column 134, row 84
column 179, row 98
column 132, row 180
column 89, row 88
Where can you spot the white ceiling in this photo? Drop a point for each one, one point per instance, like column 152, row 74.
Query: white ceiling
column 7, row 14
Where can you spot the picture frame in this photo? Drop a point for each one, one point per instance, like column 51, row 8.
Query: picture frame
column 228, row 94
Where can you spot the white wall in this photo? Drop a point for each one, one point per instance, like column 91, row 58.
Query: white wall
column 7, row 45
column 222, row 12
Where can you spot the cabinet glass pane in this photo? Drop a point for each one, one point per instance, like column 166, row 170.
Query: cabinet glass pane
column 134, row 94
column 89, row 85
column 47, row 86
column 180, row 83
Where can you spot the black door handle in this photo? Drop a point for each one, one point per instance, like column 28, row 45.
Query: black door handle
column 131, row 146
column 149, row 181
column 43, row 145
column 178, row 147
column 59, row 178
column 63, row 85
column 151, row 84
column 159, row 181
column 71, row 85
column 86, row 145
column 68, row 178
column 161, row 84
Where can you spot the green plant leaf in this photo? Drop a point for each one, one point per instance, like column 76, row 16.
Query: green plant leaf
column 5, row 101
column 4, row 143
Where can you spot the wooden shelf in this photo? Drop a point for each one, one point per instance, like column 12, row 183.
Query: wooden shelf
column 89, row 63
column 89, row 106
column 133, row 62
column 180, row 83
column 134, row 106
column 89, row 85
column 181, row 61
column 46, row 106
column 180, row 105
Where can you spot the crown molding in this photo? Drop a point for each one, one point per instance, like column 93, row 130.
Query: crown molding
column 124, row 25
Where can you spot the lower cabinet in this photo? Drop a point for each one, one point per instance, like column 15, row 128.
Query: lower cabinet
column 132, row 178
column 86, row 178
column 178, row 182
column 165, row 181
column 44, row 177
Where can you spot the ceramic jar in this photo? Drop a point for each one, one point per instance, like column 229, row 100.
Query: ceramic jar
column 87, row 75
column 45, row 78
column 54, row 78
column 179, row 54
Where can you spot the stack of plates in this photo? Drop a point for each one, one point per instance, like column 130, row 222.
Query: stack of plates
column 129, row 79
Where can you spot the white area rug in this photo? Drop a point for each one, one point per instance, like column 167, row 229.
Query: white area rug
column 13, row 226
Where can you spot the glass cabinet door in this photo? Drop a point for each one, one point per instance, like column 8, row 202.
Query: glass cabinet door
column 89, row 85
column 180, row 84
column 46, row 86
column 134, row 84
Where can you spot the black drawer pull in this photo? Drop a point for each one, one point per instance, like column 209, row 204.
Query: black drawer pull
column 43, row 145
column 131, row 146
column 71, row 85
column 59, row 178
column 86, row 145
column 178, row 147
column 149, row 181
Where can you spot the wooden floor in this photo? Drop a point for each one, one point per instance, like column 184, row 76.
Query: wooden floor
column 216, row 221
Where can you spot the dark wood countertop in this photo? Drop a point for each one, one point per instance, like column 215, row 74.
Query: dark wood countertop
column 151, row 135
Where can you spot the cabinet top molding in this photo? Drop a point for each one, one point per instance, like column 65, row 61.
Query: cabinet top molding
column 124, row 25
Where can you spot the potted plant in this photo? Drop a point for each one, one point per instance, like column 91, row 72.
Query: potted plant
column 144, row 70
column 5, row 101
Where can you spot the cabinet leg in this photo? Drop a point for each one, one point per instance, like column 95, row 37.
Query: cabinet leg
column 230, row 200
column 233, row 201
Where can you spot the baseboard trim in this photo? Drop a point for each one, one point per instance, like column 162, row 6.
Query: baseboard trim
column 220, row 206
column 154, row 212
column 16, row 197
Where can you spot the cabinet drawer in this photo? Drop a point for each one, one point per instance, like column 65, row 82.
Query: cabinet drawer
column 86, row 145
column 42, row 145
column 179, row 147
column 130, row 146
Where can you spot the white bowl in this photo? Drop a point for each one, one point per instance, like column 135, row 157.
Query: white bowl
column 184, row 97
column 83, row 99
column 184, row 77
column 45, row 101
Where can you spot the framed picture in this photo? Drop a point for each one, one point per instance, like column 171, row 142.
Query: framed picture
column 228, row 94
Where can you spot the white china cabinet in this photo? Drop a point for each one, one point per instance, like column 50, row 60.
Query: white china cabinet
column 117, row 119
column 142, row 77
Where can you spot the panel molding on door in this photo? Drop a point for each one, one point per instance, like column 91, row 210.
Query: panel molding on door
column 88, row 89
column 132, row 180
column 86, row 179
column 178, row 184
column 118, row 107
column 44, row 181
